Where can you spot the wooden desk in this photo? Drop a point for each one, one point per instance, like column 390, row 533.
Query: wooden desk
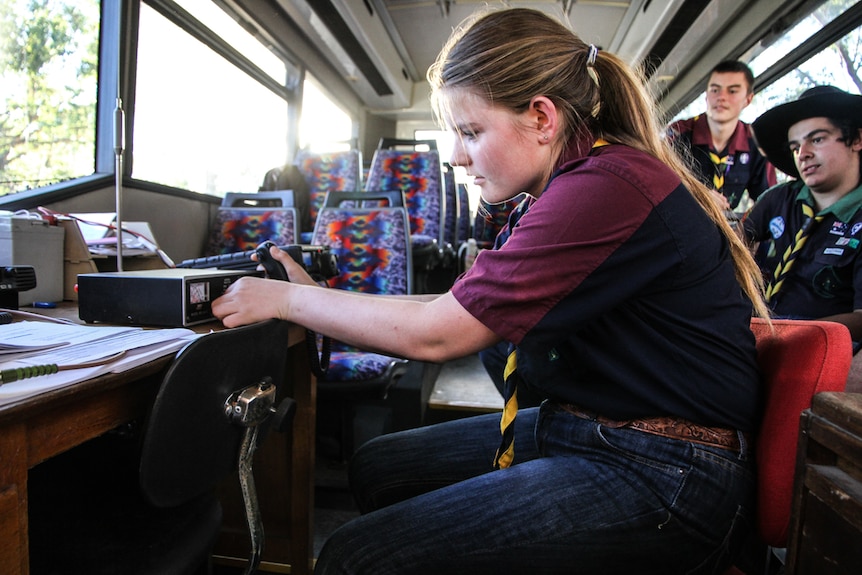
column 38, row 428
column 826, row 523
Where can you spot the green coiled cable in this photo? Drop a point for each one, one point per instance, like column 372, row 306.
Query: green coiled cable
column 18, row 373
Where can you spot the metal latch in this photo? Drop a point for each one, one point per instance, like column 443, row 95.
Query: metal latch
column 252, row 405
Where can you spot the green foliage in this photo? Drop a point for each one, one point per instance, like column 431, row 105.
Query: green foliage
column 48, row 70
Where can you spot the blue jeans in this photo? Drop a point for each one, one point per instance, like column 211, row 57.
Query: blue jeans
column 580, row 498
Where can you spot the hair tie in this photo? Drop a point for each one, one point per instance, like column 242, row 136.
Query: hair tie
column 591, row 64
column 591, row 70
column 591, row 58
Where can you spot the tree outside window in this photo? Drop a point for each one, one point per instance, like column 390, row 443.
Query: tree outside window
column 48, row 91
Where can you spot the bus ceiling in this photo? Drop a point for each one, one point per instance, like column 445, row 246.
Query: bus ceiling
column 379, row 50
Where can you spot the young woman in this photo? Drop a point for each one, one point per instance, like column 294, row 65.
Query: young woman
column 628, row 299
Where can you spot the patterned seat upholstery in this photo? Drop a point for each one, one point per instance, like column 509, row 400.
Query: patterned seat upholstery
column 490, row 219
column 464, row 224
column 440, row 276
column 450, row 231
column 328, row 171
column 419, row 175
column 374, row 256
column 371, row 246
column 241, row 226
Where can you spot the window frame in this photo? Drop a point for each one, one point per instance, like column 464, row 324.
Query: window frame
column 834, row 31
column 849, row 20
column 118, row 42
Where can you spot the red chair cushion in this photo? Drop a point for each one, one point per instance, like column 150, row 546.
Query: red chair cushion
column 799, row 359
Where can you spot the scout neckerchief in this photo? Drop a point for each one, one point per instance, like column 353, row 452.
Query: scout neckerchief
column 506, row 452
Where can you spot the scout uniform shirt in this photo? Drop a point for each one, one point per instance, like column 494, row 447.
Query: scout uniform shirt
column 621, row 296
column 825, row 278
column 731, row 171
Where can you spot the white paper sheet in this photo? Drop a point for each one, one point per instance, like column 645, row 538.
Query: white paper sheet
column 78, row 344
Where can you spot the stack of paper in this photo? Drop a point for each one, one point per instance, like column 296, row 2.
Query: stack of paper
column 81, row 352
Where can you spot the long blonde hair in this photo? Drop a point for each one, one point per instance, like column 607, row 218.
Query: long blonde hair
column 509, row 56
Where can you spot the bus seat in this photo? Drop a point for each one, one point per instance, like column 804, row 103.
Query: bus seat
column 288, row 179
column 419, row 174
column 490, row 219
column 465, row 224
column 372, row 244
column 370, row 241
column 450, row 233
column 799, row 359
column 440, row 277
column 151, row 508
column 244, row 221
column 324, row 172
column 270, row 199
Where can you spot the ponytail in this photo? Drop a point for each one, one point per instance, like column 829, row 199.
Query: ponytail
column 509, row 56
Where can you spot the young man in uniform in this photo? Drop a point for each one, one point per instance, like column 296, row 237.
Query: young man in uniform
column 719, row 145
column 810, row 229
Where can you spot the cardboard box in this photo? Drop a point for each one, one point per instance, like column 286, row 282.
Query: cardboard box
column 79, row 259
column 32, row 242
column 76, row 259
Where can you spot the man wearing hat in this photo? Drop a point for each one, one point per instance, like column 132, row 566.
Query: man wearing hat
column 810, row 229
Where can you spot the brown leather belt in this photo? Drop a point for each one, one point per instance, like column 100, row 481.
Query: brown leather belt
column 673, row 427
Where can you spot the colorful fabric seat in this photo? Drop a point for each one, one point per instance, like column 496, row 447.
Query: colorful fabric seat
column 419, row 175
column 325, row 172
column 243, row 229
column 450, row 231
column 464, row 230
column 372, row 245
column 374, row 256
column 246, row 220
column 490, row 219
column 404, row 165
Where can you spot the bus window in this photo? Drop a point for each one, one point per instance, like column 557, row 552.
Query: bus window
column 48, row 91
column 217, row 20
column 324, row 126
column 836, row 62
column 201, row 123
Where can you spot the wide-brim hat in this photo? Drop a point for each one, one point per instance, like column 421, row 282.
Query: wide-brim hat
column 770, row 129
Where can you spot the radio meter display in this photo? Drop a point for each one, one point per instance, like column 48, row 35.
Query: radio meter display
column 199, row 292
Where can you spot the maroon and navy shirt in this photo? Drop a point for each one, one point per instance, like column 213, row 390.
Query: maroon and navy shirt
column 620, row 295
column 746, row 167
